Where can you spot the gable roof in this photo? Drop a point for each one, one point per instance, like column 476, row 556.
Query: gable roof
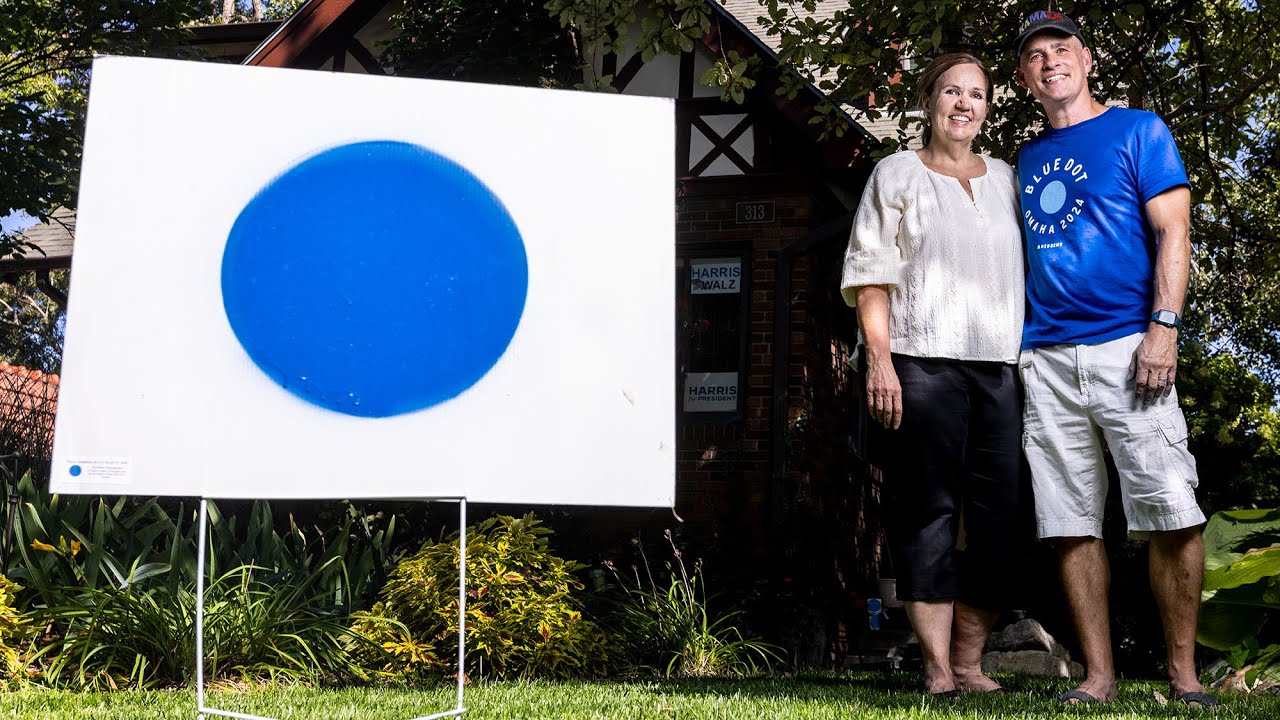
column 232, row 42
column 295, row 42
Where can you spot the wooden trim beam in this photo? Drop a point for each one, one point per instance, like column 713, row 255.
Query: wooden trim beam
column 365, row 58
column 721, row 145
column 686, row 76
column 309, row 37
column 628, row 72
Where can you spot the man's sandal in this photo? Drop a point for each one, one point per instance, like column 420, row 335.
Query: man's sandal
column 1201, row 700
column 1079, row 696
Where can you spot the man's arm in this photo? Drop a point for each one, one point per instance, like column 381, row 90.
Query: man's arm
column 1156, row 360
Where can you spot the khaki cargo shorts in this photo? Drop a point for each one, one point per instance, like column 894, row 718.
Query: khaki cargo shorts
column 1080, row 397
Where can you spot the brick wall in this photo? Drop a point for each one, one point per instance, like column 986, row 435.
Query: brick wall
column 722, row 472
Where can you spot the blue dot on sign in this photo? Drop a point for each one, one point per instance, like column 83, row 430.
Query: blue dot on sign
column 375, row 279
column 76, row 470
column 1053, row 197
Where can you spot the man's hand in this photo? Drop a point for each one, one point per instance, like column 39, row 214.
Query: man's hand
column 884, row 392
column 1155, row 363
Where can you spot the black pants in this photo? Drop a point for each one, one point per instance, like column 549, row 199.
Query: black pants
column 959, row 446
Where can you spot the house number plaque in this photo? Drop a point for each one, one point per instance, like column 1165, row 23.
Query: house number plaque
column 760, row 211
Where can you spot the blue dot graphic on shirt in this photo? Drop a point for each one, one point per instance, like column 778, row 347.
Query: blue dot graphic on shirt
column 75, row 470
column 1053, row 197
column 375, row 279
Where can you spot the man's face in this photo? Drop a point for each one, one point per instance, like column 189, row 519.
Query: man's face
column 1055, row 68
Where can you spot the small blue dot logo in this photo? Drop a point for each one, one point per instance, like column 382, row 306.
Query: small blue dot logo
column 375, row 279
column 1053, row 197
column 76, row 470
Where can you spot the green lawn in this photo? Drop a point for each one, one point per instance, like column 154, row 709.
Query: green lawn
column 826, row 697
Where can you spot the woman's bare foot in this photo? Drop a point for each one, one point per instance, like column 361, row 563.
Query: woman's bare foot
column 939, row 683
column 973, row 680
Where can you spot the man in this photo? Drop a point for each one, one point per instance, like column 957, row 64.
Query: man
column 1106, row 213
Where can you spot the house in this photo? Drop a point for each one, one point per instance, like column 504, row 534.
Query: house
column 772, row 485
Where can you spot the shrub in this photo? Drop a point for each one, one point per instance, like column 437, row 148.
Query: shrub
column 67, row 541
column 522, row 618
column 113, row 581
column 671, row 629
column 389, row 650
column 259, row 627
column 1242, row 590
column 15, row 631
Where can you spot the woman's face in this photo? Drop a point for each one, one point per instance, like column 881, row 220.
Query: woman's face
column 958, row 105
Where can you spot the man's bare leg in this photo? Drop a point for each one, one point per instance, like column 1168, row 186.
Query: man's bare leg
column 931, row 620
column 1177, row 575
column 1086, row 577
column 971, row 629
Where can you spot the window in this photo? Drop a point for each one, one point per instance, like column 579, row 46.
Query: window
column 711, row 308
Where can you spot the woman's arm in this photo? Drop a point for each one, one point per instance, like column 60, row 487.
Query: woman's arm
column 884, row 393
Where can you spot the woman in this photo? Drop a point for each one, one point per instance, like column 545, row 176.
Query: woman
column 934, row 267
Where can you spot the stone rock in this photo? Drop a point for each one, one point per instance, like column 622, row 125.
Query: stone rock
column 1031, row 662
column 1022, row 635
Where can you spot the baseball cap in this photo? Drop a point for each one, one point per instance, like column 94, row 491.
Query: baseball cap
column 1042, row 20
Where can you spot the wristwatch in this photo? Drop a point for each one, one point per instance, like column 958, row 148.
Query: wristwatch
column 1167, row 318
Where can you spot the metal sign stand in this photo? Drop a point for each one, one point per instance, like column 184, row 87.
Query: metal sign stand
column 458, row 709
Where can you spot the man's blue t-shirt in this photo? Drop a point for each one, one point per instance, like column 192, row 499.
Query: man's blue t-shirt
column 1090, row 249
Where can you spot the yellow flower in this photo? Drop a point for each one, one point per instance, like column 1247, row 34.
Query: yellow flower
column 46, row 547
column 75, row 548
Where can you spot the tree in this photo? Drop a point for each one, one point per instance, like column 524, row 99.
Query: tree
column 46, row 47
column 546, row 43
column 230, row 11
column 31, row 323
column 515, row 42
column 1234, row 431
column 1209, row 67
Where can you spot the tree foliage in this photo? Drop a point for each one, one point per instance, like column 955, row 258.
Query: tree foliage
column 1234, row 430
column 31, row 323
column 229, row 11
column 45, row 50
column 546, row 43
column 514, row 42
column 1208, row 67
column 46, row 47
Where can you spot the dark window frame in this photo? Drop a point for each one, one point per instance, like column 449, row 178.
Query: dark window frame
column 685, row 254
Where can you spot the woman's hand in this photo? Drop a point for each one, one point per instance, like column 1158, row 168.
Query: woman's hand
column 884, row 393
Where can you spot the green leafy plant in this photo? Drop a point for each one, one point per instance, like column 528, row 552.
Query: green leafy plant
column 522, row 617
column 389, row 651
column 1242, row 590
column 260, row 628
column 65, row 541
column 671, row 627
column 82, row 541
column 113, row 582
column 15, row 633
column 348, row 559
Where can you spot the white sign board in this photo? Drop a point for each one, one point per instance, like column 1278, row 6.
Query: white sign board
column 715, row 277
column 711, row 392
column 297, row 284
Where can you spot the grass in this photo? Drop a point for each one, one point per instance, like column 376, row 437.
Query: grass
column 808, row 697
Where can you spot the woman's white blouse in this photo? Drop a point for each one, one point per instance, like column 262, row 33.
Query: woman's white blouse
column 954, row 264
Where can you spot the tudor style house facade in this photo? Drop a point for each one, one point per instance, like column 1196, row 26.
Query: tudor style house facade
column 771, row 473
